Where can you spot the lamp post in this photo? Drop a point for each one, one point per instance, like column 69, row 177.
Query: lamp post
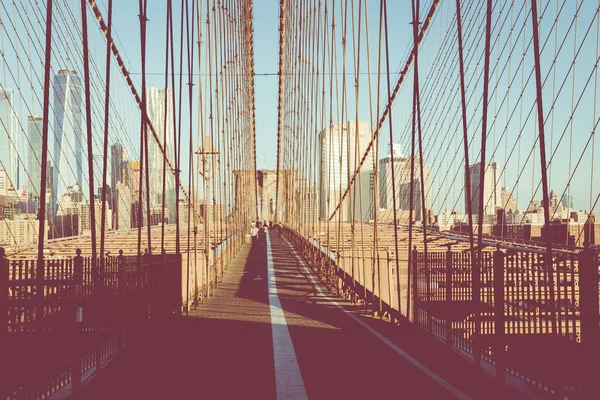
column 203, row 152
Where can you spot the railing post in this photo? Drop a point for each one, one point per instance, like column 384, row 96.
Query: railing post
column 499, row 319
column 341, row 265
column 590, row 334
column 216, row 260
column 449, row 293
column 416, row 286
column 77, row 318
column 3, row 296
column 165, row 266
column 122, row 282
column 427, row 270
column 147, row 298
column 388, row 261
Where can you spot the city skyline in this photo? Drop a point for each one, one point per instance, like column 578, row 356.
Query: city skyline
column 156, row 112
column 265, row 155
column 66, row 147
column 445, row 191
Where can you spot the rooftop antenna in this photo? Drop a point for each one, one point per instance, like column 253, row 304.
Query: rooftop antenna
column 68, row 56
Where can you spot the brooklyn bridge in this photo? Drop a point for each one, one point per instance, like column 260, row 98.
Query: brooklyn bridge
column 298, row 199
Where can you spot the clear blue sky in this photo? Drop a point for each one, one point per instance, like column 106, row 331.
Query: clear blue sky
column 439, row 83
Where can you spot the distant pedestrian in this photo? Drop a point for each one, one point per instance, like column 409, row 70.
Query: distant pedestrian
column 254, row 233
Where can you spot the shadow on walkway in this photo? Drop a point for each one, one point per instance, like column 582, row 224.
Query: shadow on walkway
column 224, row 348
column 221, row 350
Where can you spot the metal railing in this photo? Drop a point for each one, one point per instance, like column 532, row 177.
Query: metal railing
column 549, row 312
column 62, row 328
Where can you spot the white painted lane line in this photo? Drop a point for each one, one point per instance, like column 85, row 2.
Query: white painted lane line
column 288, row 379
column 441, row 381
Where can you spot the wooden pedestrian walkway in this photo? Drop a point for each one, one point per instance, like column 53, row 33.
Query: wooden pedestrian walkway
column 271, row 331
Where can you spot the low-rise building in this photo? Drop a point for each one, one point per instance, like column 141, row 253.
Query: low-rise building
column 21, row 231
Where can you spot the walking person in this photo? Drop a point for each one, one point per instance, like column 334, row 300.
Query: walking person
column 254, row 233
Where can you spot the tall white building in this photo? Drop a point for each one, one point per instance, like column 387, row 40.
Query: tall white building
column 124, row 201
column 9, row 138
column 491, row 189
column 34, row 156
column 402, row 183
column 340, row 157
column 68, row 132
column 160, row 101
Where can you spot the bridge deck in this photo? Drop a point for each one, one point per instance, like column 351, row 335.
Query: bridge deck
column 283, row 337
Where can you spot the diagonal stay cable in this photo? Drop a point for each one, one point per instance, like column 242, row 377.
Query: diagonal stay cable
column 388, row 106
column 137, row 97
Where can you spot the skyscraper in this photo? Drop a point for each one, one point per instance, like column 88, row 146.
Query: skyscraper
column 124, row 203
column 339, row 160
column 8, row 137
column 402, row 175
column 159, row 102
column 567, row 200
column 34, row 157
column 116, row 165
column 334, row 170
column 68, row 131
column 508, row 202
column 98, row 163
column 491, row 189
column 116, row 176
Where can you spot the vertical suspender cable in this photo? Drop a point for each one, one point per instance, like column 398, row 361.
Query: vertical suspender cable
column 464, row 125
column 375, row 244
column 169, row 39
column 280, row 101
column 176, row 125
column 217, row 182
column 210, row 138
column 420, row 139
column 356, row 49
column 97, row 276
column 547, row 237
column 146, row 140
column 105, row 150
column 144, row 164
column 476, row 263
column 183, row 20
column 140, row 212
column 411, row 194
column 192, row 200
column 44, row 172
column 375, row 148
column 387, row 61
column 165, row 122
column 205, row 143
column 88, row 120
column 482, row 163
